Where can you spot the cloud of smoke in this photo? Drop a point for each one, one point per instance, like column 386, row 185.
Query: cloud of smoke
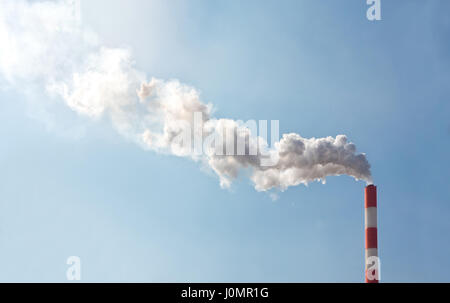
column 45, row 43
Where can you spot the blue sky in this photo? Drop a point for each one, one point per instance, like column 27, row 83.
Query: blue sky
column 321, row 68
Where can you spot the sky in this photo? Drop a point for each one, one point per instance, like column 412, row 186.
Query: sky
column 71, row 186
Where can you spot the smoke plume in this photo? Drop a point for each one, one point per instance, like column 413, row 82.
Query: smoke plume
column 44, row 42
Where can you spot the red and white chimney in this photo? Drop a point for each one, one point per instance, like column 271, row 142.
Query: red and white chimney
column 371, row 261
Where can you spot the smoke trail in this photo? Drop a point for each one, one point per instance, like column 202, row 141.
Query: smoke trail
column 45, row 43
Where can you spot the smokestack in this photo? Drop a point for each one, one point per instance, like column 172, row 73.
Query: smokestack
column 372, row 264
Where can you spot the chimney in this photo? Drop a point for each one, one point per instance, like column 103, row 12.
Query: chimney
column 371, row 262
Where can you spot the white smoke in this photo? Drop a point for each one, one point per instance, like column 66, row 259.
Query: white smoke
column 45, row 43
